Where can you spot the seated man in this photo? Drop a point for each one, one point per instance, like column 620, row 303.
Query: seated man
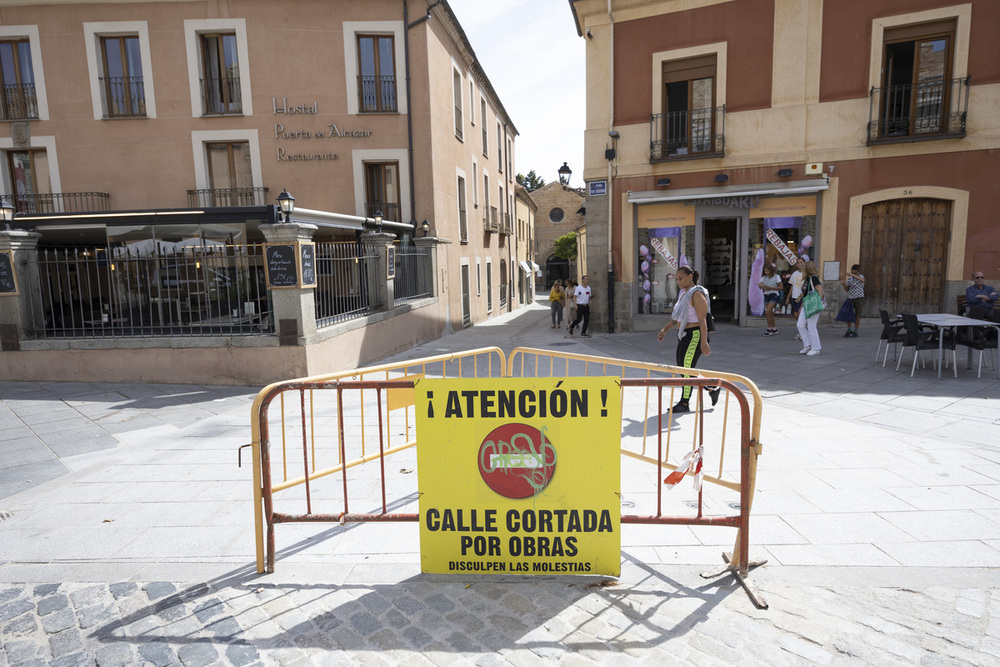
column 981, row 295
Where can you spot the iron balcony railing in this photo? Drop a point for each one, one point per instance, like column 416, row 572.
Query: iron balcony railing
column 60, row 202
column 506, row 228
column 147, row 288
column 346, row 282
column 490, row 221
column 124, row 96
column 18, row 101
column 413, row 274
column 389, row 211
column 376, row 93
column 222, row 96
column 692, row 133
column 928, row 110
column 226, row 197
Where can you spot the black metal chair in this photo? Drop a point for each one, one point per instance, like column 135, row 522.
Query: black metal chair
column 925, row 339
column 977, row 312
column 979, row 338
column 892, row 332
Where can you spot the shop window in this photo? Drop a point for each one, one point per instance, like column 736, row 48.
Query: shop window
column 661, row 251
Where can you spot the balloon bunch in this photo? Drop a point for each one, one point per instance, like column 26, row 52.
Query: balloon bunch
column 647, row 285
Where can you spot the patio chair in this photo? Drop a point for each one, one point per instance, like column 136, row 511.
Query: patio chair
column 977, row 312
column 892, row 332
column 925, row 339
column 979, row 338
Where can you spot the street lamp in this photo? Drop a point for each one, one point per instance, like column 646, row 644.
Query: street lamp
column 426, row 226
column 8, row 212
column 287, row 204
column 378, row 221
column 564, row 173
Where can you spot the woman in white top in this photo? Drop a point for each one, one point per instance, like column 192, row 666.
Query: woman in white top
column 807, row 325
column 770, row 284
column 692, row 330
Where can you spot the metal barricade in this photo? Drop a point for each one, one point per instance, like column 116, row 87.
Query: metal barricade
column 360, row 408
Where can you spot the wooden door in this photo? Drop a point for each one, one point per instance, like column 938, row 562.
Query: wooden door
column 904, row 243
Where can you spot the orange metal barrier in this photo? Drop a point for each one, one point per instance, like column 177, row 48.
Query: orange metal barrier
column 354, row 410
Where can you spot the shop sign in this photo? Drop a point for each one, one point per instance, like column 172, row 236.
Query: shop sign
column 784, row 207
column 282, row 132
column 519, row 475
column 665, row 215
column 598, row 188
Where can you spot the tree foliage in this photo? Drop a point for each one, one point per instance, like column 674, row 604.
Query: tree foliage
column 566, row 247
column 531, row 182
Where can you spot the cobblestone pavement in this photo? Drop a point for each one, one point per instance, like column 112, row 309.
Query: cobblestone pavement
column 647, row 618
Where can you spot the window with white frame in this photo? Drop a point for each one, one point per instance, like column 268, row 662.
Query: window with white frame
column 376, row 73
column 475, row 184
column 118, row 58
column 227, row 169
column 472, row 102
column 18, row 100
column 489, row 286
column 479, row 279
column 456, row 90
column 500, row 148
column 482, row 122
column 463, row 221
column 218, row 67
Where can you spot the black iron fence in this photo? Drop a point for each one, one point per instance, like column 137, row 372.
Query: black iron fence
column 151, row 289
column 413, row 274
column 18, row 101
column 927, row 110
column 346, row 282
column 691, row 133
column 225, row 197
column 60, row 202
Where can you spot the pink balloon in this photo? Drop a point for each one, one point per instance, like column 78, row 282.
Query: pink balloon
column 806, row 243
column 643, row 251
column 644, row 266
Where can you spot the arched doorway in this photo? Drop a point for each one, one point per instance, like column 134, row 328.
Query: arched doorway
column 555, row 269
column 904, row 246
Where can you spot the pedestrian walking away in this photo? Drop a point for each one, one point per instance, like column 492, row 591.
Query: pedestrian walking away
column 855, row 286
column 770, row 284
column 689, row 315
column 807, row 326
column 557, row 299
column 794, row 297
column 583, row 295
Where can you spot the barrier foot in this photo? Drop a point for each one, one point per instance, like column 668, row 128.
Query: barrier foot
column 749, row 587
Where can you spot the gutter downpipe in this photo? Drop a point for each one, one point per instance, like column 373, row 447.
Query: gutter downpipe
column 611, row 203
column 409, row 104
column 513, row 218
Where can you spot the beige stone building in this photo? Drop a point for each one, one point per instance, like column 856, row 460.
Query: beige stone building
column 561, row 210
column 727, row 133
column 159, row 122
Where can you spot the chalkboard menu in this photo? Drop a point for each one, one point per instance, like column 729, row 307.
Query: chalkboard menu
column 8, row 281
column 307, row 253
column 281, row 266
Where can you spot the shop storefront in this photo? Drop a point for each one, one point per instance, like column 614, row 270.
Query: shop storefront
column 727, row 236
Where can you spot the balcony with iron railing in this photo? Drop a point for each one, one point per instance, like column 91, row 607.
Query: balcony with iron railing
column 687, row 134
column 507, row 227
column 222, row 96
column 377, row 93
column 390, row 211
column 18, row 102
column 124, row 96
column 226, row 197
column 922, row 112
column 60, row 202
column 490, row 221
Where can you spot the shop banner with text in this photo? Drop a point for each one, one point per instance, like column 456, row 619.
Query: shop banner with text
column 519, row 475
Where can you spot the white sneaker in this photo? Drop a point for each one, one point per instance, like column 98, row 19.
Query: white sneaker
column 812, row 353
column 798, row 336
column 806, row 350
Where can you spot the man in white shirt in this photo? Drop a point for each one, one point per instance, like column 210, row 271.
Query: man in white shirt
column 582, row 296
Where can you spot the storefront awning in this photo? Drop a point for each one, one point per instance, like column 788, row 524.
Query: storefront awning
column 758, row 189
column 526, row 267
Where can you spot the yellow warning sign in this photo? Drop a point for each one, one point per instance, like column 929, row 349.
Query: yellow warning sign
column 519, row 476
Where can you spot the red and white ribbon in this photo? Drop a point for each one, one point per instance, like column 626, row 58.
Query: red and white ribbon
column 691, row 463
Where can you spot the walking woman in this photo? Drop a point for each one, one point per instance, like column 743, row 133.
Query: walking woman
column 570, row 289
column 811, row 344
column 557, row 299
column 692, row 330
column 770, row 284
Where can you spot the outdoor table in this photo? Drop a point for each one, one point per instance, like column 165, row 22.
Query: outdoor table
column 949, row 321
